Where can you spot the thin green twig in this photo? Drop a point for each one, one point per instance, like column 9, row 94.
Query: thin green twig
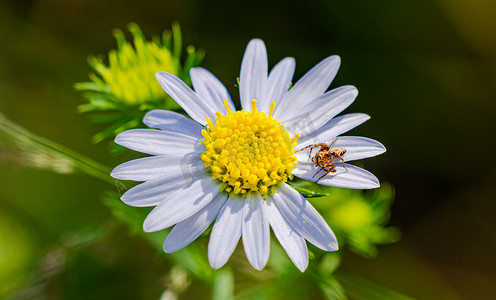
column 29, row 139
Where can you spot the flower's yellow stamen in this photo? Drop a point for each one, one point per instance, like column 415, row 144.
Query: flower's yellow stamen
column 209, row 122
column 254, row 108
column 271, row 111
column 206, row 135
column 228, row 110
column 248, row 151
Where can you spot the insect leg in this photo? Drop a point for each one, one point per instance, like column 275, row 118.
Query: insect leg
column 342, row 160
column 315, row 159
column 311, row 148
column 330, row 170
column 310, row 154
column 330, row 146
column 312, row 145
column 321, row 168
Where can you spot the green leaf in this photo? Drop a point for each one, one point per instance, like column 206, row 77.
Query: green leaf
column 330, row 262
column 332, row 289
column 87, row 107
column 193, row 59
column 114, row 130
column 223, row 288
column 166, row 39
column 98, row 101
column 87, row 86
column 308, row 193
column 177, row 41
column 108, row 117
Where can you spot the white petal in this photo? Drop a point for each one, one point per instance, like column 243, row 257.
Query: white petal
column 353, row 178
column 181, row 204
column 147, row 168
column 253, row 76
column 333, row 128
column 290, row 240
column 301, row 215
column 210, row 90
column 172, row 121
column 225, row 233
column 277, row 84
column 256, row 233
column 190, row 229
column 185, row 97
column 318, row 112
column 356, row 147
column 154, row 191
column 157, row 142
column 313, row 84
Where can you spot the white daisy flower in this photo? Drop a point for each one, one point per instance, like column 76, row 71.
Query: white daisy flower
column 231, row 167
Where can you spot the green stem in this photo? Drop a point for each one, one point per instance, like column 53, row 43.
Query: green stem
column 30, row 139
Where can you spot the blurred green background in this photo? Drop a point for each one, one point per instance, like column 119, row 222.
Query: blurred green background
column 426, row 72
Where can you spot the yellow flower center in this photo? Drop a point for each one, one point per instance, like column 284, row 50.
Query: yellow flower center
column 131, row 74
column 248, row 151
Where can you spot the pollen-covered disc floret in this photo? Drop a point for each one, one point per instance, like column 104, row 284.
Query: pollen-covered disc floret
column 248, row 151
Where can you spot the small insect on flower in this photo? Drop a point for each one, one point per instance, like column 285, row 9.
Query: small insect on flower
column 324, row 158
